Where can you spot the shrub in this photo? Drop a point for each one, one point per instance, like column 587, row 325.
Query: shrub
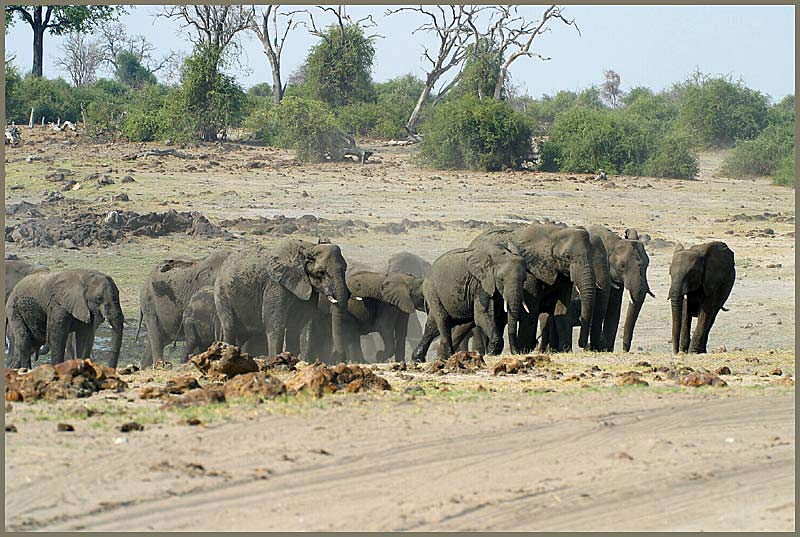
column 150, row 117
column 475, row 134
column 50, row 98
column 13, row 104
column 717, row 112
column 131, row 72
column 307, row 126
column 672, row 157
column 785, row 174
column 762, row 155
column 266, row 126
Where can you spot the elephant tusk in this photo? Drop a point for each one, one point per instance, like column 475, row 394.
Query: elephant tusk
column 614, row 285
column 524, row 305
column 332, row 300
column 505, row 306
column 358, row 298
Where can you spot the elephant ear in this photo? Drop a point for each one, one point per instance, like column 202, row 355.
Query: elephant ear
column 398, row 294
column 290, row 273
column 480, row 265
column 678, row 247
column 717, row 264
column 632, row 234
column 68, row 292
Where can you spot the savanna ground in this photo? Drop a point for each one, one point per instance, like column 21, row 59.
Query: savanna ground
column 566, row 448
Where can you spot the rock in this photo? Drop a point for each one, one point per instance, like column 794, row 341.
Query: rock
column 181, row 384
column 696, row 379
column 785, row 381
column 320, row 378
column 129, row 369
column 152, row 392
column 32, row 158
column 643, row 363
column 777, row 372
column 67, row 380
column 631, row 378
column 724, row 370
column 103, row 180
column 193, row 422
column 128, row 179
column 198, row 396
column 507, row 366
column 122, row 196
column 223, row 360
column 11, row 428
column 64, row 427
column 436, row 366
column 131, row 426
column 257, row 384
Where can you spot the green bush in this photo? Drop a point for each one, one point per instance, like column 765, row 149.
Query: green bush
column 305, row 125
column 672, row 157
column 785, row 174
column 50, row 98
column 151, row 117
column 475, row 134
column 718, row 112
column 266, row 126
column 762, row 155
column 14, row 111
column 131, row 72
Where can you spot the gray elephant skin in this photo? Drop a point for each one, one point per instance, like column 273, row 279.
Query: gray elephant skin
column 380, row 303
column 273, row 295
column 165, row 295
column 200, row 323
column 472, row 285
column 15, row 270
column 413, row 264
column 701, row 279
column 46, row 307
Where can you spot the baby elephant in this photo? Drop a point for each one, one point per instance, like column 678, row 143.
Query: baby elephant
column 701, row 281
column 200, row 323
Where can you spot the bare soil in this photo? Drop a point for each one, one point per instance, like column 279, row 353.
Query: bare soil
column 558, row 447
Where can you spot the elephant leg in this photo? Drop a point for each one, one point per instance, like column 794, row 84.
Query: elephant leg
column 22, row 346
column 413, row 330
column 705, row 320
column 611, row 323
column 484, row 319
column 561, row 322
column 546, row 325
column 57, row 339
column 686, row 326
column 83, row 339
column 428, row 335
column 191, row 342
column 461, row 335
column 156, row 341
column 400, row 333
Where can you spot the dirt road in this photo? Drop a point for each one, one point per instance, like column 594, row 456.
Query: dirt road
column 602, row 462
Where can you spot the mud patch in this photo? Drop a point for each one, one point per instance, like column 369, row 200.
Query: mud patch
column 222, row 360
column 255, row 385
column 696, row 379
column 319, row 379
column 68, row 380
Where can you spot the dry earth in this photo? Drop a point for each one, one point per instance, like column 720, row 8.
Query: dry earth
column 562, row 449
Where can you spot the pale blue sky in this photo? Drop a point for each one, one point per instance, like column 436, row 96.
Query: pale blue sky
column 653, row 46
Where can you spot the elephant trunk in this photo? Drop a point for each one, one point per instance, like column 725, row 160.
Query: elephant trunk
column 677, row 305
column 514, row 309
column 597, row 342
column 634, row 308
column 116, row 320
column 583, row 278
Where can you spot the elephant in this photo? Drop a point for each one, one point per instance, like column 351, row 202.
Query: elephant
column 562, row 342
column 45, row 307
column 273, row 294
column 380, row 302
column 702, row 277
column 200, row 323
column 416, row 266
column 15, row 270
column 164, row 296
column 557, row 258
column 472, row 285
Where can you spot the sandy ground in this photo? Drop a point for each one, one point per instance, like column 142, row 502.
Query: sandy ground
column 568, row 449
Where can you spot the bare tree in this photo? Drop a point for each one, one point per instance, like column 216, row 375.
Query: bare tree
column 514, row 35
column 273, row 37
column 342, row 20
column 216, row 25
column 451, row 24
column 81, row 60
column 610, row 90
column 114, row 39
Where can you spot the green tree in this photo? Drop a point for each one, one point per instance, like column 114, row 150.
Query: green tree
column 717, row 111
column 131, row 72
column 481, row 70
column 210, row 99
column 338, row 67
column 58, row 20
column 13, row 83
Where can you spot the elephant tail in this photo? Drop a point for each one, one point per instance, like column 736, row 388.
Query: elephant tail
column 723, row 308
column 138, row 328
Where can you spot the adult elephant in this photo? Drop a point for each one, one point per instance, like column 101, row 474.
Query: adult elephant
column 200, row 323
column 46, row 307
column 562, row 342
column 557, row 258
column 380, row 302
column 416, row 266
column 274, row 293
column 473, row 285
column 702, row 277
column 16, row 269
column 165, row 295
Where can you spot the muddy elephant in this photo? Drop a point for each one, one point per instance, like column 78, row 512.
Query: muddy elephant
column 46, row 307
column 562, row 342
column 380, row 303
column 557, row 258
column 482, row 285
column 15, row 270
column 200, row 323
column 164, row 296
column 701, row 279
column 272, row 295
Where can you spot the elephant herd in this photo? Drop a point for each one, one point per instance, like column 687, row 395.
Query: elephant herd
column 533, row 283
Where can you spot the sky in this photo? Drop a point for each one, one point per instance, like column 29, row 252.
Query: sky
column 653, row 46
